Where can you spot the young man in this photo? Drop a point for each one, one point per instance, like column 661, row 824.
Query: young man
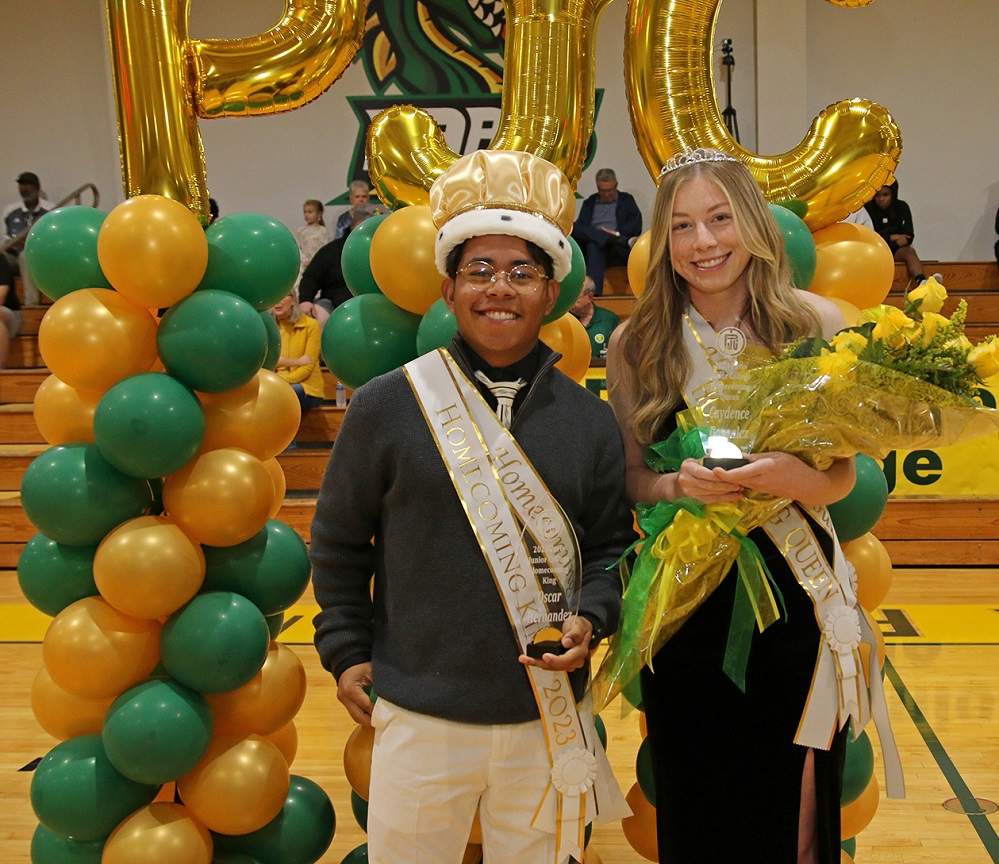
column 18, row 218
column 483, row 532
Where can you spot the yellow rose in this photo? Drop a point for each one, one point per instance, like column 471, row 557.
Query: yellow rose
column 875, row 313
column 932, row 324
column 960, row 343
column 931, row 294
column 837, row 364
column 891, row 327
column 849, row 340
column 985, row 357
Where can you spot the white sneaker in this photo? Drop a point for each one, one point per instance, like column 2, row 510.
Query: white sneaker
column 938, row 277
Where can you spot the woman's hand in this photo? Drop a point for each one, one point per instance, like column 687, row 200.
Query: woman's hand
column 785, row 476
column 706, row 485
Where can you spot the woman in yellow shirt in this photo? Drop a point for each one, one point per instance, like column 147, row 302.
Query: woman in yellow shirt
column 301, row 342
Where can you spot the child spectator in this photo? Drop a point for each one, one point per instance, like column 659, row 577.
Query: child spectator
column 314, row 234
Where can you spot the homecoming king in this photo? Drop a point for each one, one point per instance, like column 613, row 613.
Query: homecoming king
column 483, row 491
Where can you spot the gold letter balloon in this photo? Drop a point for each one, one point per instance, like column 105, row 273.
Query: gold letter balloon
column 849, row 152
column 164, row 80
column 547, row 106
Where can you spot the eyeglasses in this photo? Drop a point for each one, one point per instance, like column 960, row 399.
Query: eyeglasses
column 522, row 278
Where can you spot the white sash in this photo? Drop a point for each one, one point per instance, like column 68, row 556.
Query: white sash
column 840, row 690
column 507, row 504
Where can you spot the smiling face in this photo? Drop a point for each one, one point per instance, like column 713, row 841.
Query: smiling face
column 705, row 247
column 499, row 324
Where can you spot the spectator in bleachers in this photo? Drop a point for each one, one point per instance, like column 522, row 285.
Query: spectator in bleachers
column 18, row 218
column 10, row 311
column 322, row 287
column 892, row 220
column 359, row 194
column 301, row 346
column 607, row 225
column 599, row 322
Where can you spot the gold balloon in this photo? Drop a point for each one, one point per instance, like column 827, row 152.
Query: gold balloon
column 148, row 568
column 62, row 714
column 857, row 815
column 280, row 485
column 152, row 250
column 638, row 263
column 268, row 702
column 220, row 498
column 260, row 417
column 568, row 337
column 851, row 314
column 286, row 740
column 402, row 259
column 159, row 833
column 640, row 828
column 853, row 263
column 92, row 338
column 63, row 413
column 93, row 651
column 239, row 785
column 357, row 759
column 870, row 558
column 849, row 152
column 547, row 104
column 163, row 80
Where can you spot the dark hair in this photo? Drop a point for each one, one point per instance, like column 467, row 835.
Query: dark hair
column 538, row 256
column 213, row 208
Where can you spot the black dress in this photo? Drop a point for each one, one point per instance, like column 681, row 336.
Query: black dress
column 727, row 771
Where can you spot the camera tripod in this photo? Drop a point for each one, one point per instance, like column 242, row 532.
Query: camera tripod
column 728, row 115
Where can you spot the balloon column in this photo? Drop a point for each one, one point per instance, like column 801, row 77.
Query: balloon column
column 157, row 554
column 397, row 312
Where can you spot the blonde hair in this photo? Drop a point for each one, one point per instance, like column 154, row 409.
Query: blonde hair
column 318, row 206
column 295, row 313
column 653, row 344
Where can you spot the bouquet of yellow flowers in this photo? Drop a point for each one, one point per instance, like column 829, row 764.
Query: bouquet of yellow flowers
column 899, row 379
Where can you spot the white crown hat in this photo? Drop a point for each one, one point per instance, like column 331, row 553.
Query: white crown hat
column 504, row 192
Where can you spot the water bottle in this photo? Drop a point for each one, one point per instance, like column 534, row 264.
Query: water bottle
column 341, row 395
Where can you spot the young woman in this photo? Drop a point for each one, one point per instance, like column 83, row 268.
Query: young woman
column 732, row 782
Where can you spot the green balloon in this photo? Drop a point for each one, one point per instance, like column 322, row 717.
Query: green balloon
column 643, row 771
column 61, row 251
column 235, row 858
column 798, row 207
column 859, row 512
column 300, row 834
column 149, row 425
column 437, row 328
column 251, row 255
column 367, row 336
column 598, row 723
column 76, row 791
column 157, row 731
column 212, row 341
column 355, row 261
column 858, row 768
column 358, row 855
column 273, row 341
column 359, row 807
column 275, row 624
column 215, row 643
column 799, row 245
column 73, row 495
column 52, row 576
column 569, row 287
column 849, row 846
column 47, row 847
column 271, row 569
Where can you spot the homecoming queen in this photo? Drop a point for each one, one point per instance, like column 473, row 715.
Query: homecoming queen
column 749, row 776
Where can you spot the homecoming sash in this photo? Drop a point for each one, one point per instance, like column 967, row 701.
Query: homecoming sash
column 840, row 690
column 529, row 547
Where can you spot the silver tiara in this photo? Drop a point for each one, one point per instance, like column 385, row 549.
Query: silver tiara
column 692, row 157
